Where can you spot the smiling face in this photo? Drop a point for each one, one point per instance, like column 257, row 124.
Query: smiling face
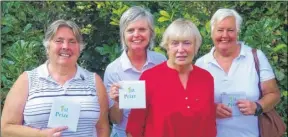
column 224, row 35
column 181, row 52
column 137, row 35
column 63, row 48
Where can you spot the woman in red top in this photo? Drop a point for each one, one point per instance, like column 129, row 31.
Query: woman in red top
column 179, row 95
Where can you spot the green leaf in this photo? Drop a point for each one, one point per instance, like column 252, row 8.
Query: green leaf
column 81, row 7
column 159, row 50
column 207, row 26
column 115, row 19
column 115, row 11
column 242, row 3
column 157, row 30
column 27, row 27
column 114, row 23
column 164, row 13
column 5, row 30
column 280, row 75
column 250, row 3
column 285, row 93
column 162, row 19
column 9, row 20
column 22, row 16
column 124, row 8
column 100, row 50
column 279, row 47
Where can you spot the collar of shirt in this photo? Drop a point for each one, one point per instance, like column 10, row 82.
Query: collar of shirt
column 210, row 57
column 126, row 63
column 44, row 73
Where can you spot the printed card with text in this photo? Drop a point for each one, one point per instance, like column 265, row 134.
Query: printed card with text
column 230, row 100
column 132, row 94
column 64, row 113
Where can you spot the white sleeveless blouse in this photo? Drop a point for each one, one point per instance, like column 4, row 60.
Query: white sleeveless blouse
column 43, row 89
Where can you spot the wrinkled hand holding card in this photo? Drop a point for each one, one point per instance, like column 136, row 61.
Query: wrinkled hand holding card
column 230, row 100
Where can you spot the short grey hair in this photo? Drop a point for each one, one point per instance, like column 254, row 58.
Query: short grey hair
column 181, row 29
column 132, row 14
column 221, row 14
column 52, row 29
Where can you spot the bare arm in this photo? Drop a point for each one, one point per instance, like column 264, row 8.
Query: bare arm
column 270, row 92
column 271, row 95
column 102, row 125
column 12, row 115
column 115, row 113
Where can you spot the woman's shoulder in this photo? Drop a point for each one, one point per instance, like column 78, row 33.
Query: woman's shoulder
column 203, row 60
column 40, row 70
column 248, row 50
column 114, row 67
column 202, row 72
column 157, row 56
column 156, row 69
column 114, row 63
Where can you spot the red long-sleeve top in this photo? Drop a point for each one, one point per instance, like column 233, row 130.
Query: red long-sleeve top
column 173, row 111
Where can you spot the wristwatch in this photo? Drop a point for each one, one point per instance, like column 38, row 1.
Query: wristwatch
column 259, row 109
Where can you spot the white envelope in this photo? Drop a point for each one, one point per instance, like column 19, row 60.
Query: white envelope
column 64, row 113
column 132, row 94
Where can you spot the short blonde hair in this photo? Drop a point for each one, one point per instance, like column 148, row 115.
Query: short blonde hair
column 182, row 29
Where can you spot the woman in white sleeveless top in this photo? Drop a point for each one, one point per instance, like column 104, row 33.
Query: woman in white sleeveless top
column 28, row 104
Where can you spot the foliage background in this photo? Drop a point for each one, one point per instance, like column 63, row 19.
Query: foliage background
column 23, row 25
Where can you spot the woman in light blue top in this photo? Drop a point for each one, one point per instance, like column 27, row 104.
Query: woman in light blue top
column 137, row 38
column 28, row 104
column 232, row 65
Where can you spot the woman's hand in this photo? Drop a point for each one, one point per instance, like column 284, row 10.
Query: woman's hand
column 114, row 92
column 53, row 132
column 129, row 135
column 223, row 111
column 247, row 107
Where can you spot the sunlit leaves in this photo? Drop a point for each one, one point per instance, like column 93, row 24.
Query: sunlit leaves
column 164, row 16
column 280, row 47
column 164, row 13
column 116, row 13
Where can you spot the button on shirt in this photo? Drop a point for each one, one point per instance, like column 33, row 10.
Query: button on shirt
column 122, row 69
column 173, row 111
column 242, row 77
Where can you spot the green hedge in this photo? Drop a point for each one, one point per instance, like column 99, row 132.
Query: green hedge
column 23, row 25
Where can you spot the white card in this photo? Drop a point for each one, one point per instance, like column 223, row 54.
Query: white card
column 64, row 113
column 230, row 100
column 132, row 94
